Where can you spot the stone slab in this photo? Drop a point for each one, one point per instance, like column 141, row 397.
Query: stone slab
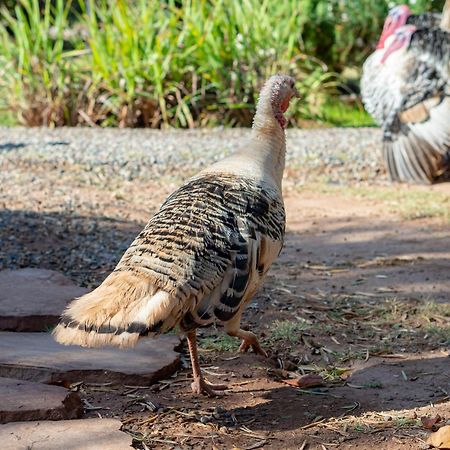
column 33, row 299
column 88, row 434
column 26, row 400
column 38, row 357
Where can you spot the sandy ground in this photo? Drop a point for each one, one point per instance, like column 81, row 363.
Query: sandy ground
column 358, row 279
column 359, row 297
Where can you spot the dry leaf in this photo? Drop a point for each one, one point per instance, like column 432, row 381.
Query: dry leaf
column 430, row 422
column 440, row 439
column 305, row 381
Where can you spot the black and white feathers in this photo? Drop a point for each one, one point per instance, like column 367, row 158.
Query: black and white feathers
column 406, row 88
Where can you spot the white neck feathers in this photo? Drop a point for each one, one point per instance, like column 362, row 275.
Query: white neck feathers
column 263, row 158
column 445, row 21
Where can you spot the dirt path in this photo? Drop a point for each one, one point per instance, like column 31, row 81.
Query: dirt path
column 360, row 296
column 347, row 245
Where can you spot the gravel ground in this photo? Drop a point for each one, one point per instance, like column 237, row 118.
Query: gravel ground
column 72, row 199
column 342, row 153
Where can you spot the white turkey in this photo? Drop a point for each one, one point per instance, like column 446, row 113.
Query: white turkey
column 203, row 255
column 406, row 88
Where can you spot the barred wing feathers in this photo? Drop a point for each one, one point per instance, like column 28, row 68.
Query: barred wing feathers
column 199, row 259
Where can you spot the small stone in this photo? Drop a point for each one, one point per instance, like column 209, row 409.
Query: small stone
column 219, row 410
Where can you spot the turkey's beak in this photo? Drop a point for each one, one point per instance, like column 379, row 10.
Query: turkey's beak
column 296, row 94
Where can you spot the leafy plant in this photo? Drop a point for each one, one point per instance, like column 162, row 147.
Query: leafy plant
column 160, row 63
column 40, row 77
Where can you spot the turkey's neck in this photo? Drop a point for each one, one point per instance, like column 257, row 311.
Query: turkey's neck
column 262, row 158
column 269, row 145
column 445, row 21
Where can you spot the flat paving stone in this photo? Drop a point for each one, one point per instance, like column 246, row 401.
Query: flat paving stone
column 88, row 434
column 26, row 400
column 33, row 299
column 38, row 357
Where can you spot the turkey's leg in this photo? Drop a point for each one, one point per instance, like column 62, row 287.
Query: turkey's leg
column 249, row 339
column 199, row 385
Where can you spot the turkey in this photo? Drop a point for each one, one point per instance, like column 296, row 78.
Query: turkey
column 203, row 255
column 406, row 88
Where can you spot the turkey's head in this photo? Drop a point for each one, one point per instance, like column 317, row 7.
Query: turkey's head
column 401, row 39
column 396, row 18
column 275, row 97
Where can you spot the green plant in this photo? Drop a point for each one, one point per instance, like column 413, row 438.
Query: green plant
column 287, row 330
column 222, row 343
column 336, row 112
column 40, row 76
column 195, row 63
column 343, row 33
column 185, row 63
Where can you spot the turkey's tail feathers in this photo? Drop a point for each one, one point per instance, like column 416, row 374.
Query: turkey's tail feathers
column 123, row 308
column 420, row 151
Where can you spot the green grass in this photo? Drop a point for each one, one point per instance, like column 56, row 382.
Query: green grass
column 439, row 333
column 338, row 113
column 7, row 119
column 152, row 63
column 161, row 63
column 219, row 343
column 287, row 330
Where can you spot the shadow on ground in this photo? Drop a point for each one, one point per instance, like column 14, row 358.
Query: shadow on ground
column 372, row 258
column 408, row 259
column 379, row 385
column 402, row 259
column 84, row 248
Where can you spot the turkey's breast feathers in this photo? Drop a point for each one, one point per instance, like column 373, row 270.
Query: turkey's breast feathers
column 210, row 245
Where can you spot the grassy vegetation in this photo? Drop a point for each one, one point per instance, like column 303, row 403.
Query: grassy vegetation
column 405, row 321
column 287, row 331
column 219, row 343
column 168, row 63
column 342, row 114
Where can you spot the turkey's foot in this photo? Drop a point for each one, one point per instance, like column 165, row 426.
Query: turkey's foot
column 251, row 341
column 200, row 386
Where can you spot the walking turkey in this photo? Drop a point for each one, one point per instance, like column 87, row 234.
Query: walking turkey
column 203, row 255
column 406, row 88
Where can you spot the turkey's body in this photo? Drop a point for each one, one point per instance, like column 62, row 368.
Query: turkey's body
column 199, row 259
column 408, row 95
column 224, row 232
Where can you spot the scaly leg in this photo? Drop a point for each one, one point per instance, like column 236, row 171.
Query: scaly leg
column 199, row 385
column 249, row 339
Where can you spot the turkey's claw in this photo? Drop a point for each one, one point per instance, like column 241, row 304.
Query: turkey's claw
column 254, row 344
column 200, row 386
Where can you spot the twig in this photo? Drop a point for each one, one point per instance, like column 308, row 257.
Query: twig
column 313, row 424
